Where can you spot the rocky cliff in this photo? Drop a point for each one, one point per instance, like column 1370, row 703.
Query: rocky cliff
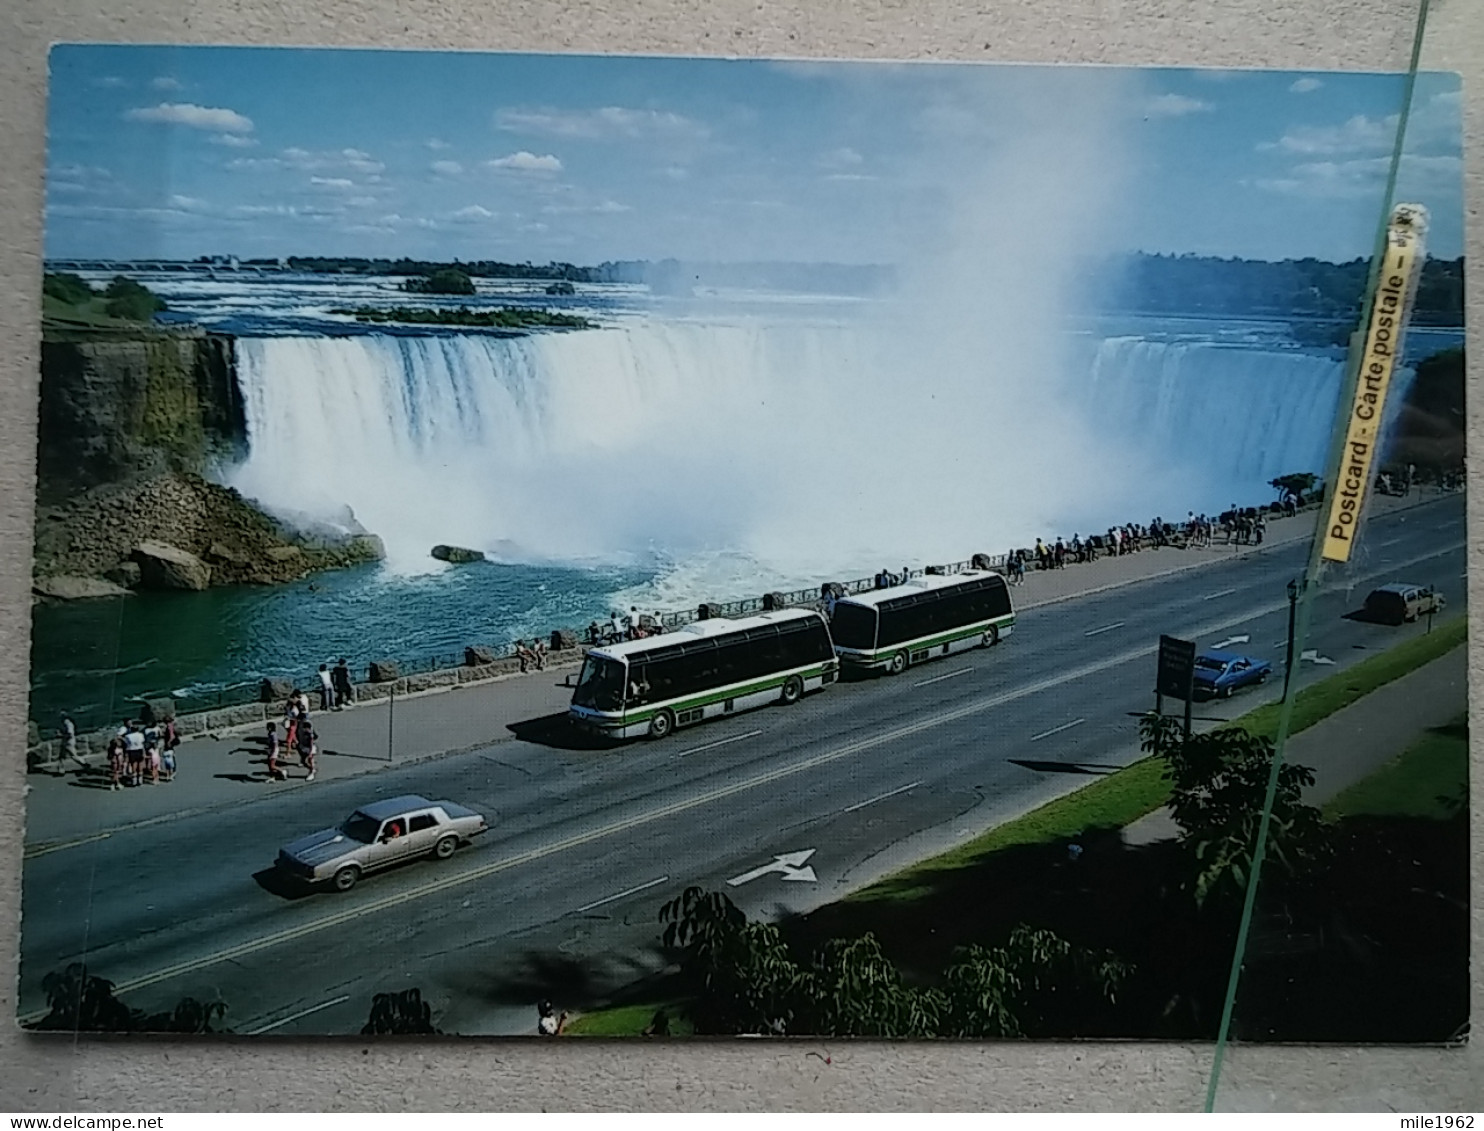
column 131, row 426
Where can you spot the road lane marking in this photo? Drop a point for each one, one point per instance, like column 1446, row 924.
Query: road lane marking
column 1105, row 628
column 638, row 820
column 295, row 1016
column 42, row 850
column 1057, row 730
column 622, row 894
column 1388, row 542
column 1214, row 596
column 938, row 678
column 719, row 742
column 883, row 797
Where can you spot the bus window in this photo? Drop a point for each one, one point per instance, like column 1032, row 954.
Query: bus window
column 854, row 626
column 600, row 686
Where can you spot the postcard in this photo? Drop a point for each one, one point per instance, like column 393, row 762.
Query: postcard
column 436, row 451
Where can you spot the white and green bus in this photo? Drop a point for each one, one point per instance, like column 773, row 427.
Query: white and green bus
column 705, row 669
column 932, row 615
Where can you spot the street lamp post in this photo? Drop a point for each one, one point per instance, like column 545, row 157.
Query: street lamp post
column 1295, row 587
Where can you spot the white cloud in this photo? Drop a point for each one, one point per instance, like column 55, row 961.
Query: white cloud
column 360, row 201
column 338, row 184
column 317, row 161
column 677, row 172
column 472, row 215
column 110, row 82
column 436, row 144
column 606, row 122
column 527, row 162
column 447, row 168
column 1217, row 74
column 842, row 158
column 396, row 220
column 165, row 82
column 1365, row 176
column 233, row 141
column 1359, row 134
column 187, row 203
column 1175, row 106
column 196, row 117
column 1304, row 86
column 851, row 177
column 600, row 208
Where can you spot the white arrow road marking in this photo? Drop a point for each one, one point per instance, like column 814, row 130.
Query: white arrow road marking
column 719, row 742
column 1105, row 628
column 1214, row 596
column 790, row 866
column 1057, row 730
column 883, row 797
column 1313, row 656
column 620, row 895
column 1230, row 640
column 939, row 678
column 282, row 1021
column 363, row 910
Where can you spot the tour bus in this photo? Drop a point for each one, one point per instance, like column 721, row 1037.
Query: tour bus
column 928, row 616
column 705, row 669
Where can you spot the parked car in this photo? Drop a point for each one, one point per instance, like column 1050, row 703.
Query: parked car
column 1221, row 673
column 1393, row 604
column 377, row 836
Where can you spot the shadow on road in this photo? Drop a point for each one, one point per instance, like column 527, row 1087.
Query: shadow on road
column 557, row 732
column 1063, row 767
column 274, row 882
column 570, row 982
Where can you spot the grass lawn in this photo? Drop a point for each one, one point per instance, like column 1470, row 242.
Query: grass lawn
column 626, row 1021
column 1128, row 794
column 1428, row 779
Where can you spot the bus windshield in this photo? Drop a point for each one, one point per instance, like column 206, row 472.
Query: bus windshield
column 600, row 686
column 853, row 626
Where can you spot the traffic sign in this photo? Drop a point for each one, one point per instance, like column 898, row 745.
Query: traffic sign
column 1176, row 668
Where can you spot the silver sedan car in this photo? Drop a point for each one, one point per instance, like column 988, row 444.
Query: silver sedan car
column 377, row 836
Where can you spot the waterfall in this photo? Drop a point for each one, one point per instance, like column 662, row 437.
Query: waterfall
column 804, row 447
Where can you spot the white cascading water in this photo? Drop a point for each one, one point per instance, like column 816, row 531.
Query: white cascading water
column 800, row 448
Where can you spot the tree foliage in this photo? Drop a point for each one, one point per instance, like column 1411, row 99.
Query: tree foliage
column 131, row 301
column 742, row 978
column 1219, row 785
column 401, row 1014
column 67, row 287
column 443, row 281
column 83, row 1002
column 1296, row 483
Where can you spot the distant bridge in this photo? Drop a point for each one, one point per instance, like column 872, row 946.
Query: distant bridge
column 179, row 266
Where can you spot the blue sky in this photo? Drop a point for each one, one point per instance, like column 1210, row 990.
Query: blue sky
column 179, row 152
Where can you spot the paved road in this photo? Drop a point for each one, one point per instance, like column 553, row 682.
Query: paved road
column 560, row 899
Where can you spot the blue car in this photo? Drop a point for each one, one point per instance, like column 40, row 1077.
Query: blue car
column 1221, row 673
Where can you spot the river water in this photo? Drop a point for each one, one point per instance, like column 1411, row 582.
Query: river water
column 687, row 449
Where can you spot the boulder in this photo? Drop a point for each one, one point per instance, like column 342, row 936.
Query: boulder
column 477, row 654
column 274, row 690
column 162, row 566
column 456, row 554
column 125, row 574
column 367, row 547
column 384, row 671
column 154, row 711
column 76, row 588
column 284, row 553
column 562, row 639
column 221, row 552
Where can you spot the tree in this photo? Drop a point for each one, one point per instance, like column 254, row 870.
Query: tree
column 67, row 287
column 402, row 1014
column 83, row 1002
column 444, row 281
column 853, row 990
column 1294, row 484
column 131, row 301
column 1219, row 786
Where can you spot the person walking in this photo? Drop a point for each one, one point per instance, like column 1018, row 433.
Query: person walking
column 326, row 688
column 275, row 771
column 548, row 1024
column 68, row 733
column 134, row 751
column 115, row 762
column 307, row 748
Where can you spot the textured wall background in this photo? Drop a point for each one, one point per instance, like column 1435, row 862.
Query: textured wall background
column 51, row 1075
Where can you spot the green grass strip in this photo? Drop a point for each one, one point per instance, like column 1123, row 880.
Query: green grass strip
column 1427, row 779
column 1139, row 789
column 627, row 1021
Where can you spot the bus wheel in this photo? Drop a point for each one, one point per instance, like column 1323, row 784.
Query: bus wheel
column 793, row 689
column 897, row 665
column 992, row 636
column 662, row 724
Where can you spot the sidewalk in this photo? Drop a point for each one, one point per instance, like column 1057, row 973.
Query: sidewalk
column 228, row 766
column 1358, row 740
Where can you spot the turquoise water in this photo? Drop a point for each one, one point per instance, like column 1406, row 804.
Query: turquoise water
column 93, row 658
